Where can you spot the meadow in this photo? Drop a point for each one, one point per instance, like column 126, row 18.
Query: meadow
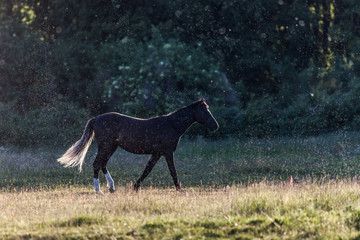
column 283, row 188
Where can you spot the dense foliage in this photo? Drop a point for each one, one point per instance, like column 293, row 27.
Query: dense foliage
column 267, row 67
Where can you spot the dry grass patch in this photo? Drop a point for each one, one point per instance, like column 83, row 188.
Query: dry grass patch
column 265, row 210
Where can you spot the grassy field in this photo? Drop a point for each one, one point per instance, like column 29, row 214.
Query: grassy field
column 265, row 210
column 288, row 188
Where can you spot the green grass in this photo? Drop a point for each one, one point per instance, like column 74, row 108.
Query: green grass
column 201, row 162
column 265, row 210
column 237, row 189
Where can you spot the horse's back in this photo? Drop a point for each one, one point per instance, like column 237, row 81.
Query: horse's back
column 120, row 124
column 135, row 135
column 107, row 126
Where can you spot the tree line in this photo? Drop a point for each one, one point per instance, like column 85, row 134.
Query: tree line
column 267, row 67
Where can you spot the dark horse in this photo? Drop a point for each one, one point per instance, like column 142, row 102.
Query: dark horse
column 158, row 136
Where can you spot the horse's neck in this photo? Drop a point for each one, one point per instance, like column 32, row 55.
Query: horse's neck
column 182, row 119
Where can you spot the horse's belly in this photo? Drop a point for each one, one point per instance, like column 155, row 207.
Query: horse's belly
column 140, row 146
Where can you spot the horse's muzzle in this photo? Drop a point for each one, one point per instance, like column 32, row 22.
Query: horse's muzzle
column 215, row 127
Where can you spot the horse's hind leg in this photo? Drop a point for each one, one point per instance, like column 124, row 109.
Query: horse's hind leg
column 109, row 180
column 102, row 157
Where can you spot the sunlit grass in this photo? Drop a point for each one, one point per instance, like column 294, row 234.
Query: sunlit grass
column 289, row 188
column 264, row 210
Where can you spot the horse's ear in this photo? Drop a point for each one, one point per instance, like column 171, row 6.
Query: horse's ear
column 202, row 100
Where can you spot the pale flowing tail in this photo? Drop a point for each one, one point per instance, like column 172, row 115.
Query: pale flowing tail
column 75, row 155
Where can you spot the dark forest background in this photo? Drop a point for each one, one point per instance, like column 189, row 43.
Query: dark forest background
column 267, row 68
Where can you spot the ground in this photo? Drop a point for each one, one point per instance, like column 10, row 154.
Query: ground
column 285, row 188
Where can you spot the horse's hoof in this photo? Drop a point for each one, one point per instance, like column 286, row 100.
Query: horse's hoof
column 136, row 187
column 182, row 191
column 98, row 191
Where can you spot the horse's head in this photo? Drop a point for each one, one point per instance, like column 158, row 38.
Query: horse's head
column 204, row 116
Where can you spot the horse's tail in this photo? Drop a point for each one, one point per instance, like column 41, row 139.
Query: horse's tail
column 75, row 155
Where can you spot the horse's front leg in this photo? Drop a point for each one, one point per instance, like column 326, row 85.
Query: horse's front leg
column 170, row 162
column 149, row 166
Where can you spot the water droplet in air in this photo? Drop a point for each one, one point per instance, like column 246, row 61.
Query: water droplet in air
column 178, row 13
column 58, row 30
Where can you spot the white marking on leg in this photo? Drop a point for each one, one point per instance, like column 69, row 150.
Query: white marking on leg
column 97, row 186
column 110, row 182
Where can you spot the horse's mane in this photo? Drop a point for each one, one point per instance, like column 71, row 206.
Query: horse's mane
column 201, row 100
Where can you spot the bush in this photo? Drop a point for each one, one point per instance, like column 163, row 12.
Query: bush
column 59, row 124
column 26, row 77
column 159, row 76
